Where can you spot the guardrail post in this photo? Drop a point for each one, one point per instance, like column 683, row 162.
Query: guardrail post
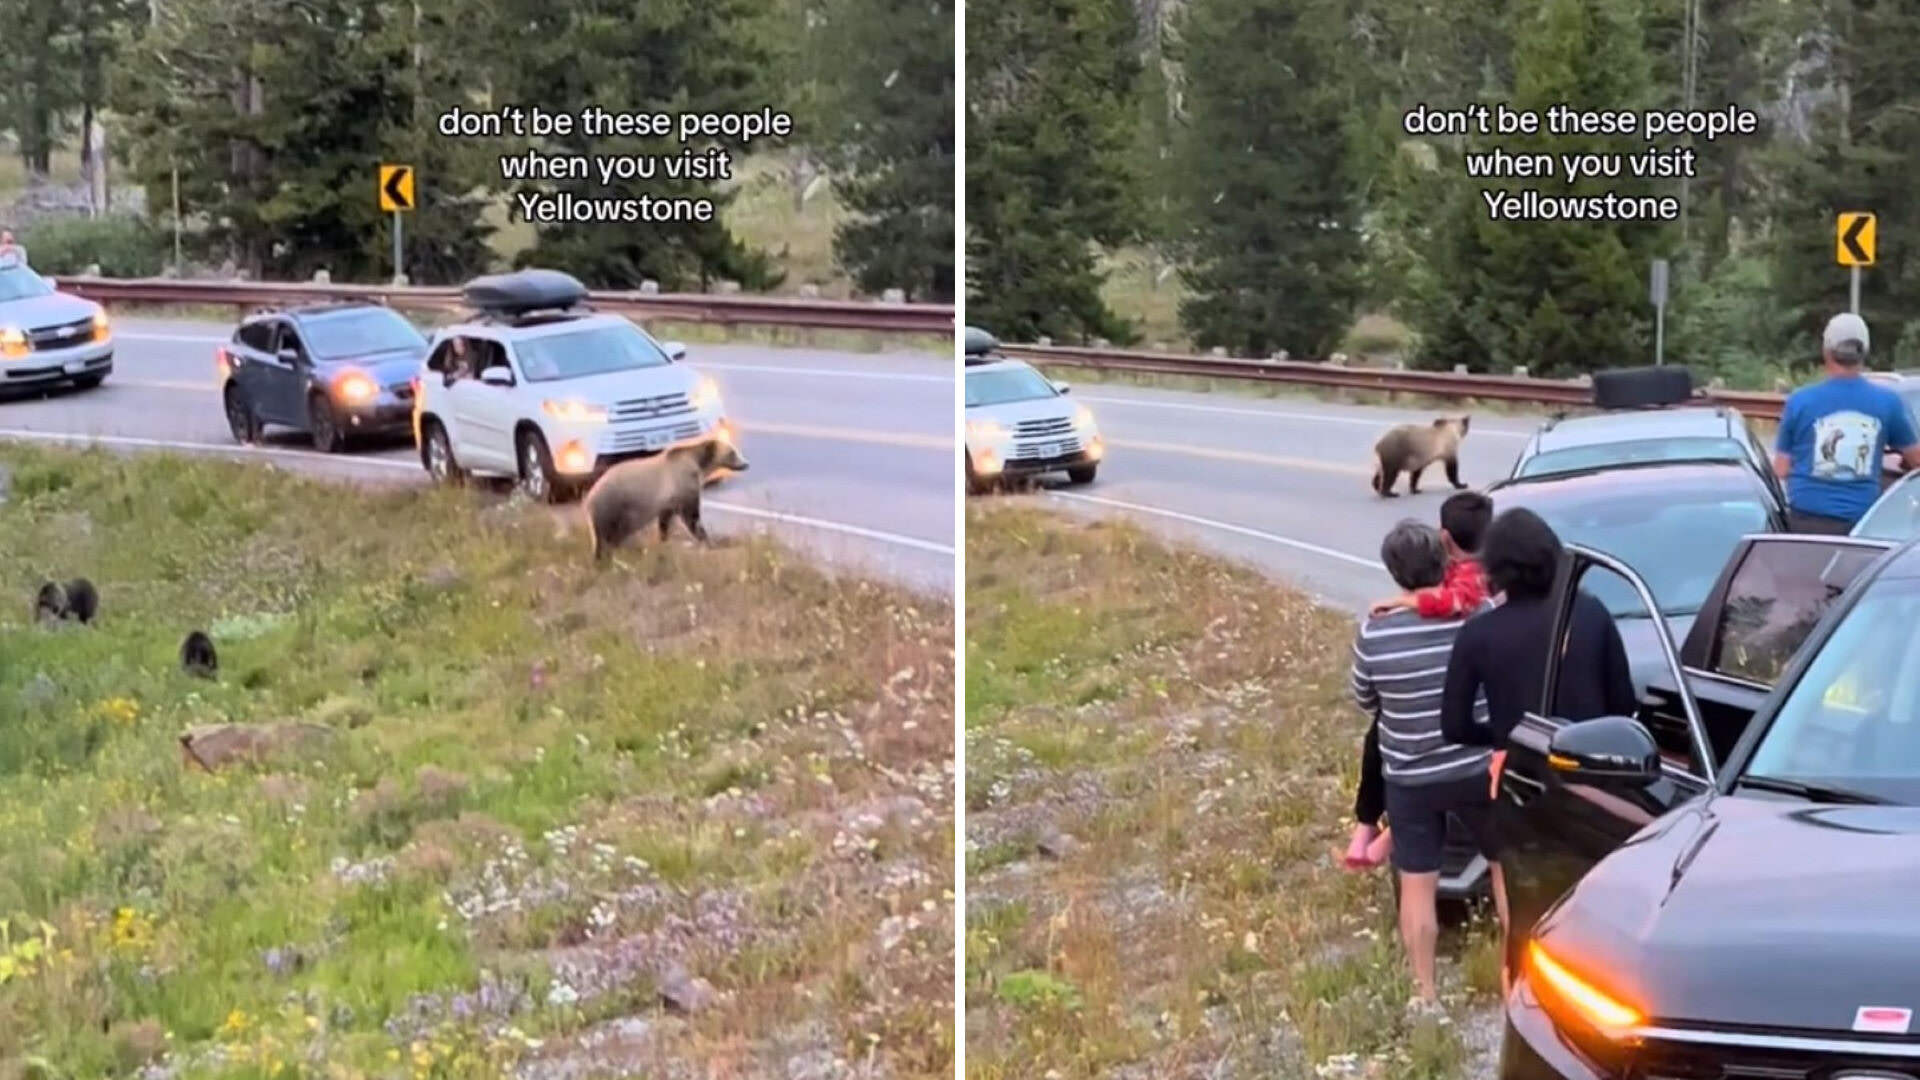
column 1520, row 371
column 727, row 288
column 649, row 288
column 322, row 277
column 893, row 296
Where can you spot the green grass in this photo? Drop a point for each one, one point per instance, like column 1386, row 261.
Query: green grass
column 1155, row 789
column 709, row 771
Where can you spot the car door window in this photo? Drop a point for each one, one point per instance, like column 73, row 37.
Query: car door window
column 257, row 336
column 290, row 339
column 441, row 357
column 1774, row 598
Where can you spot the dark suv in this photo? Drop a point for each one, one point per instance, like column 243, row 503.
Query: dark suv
column 332, row 371
column 1723, row 885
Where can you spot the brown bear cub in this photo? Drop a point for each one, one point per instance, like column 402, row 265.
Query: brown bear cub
column 655, row 490
column 1410, row 448
column 76, row 601
column 197, row 657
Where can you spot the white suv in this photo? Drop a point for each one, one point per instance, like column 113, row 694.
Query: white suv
column 542, row 390
column 1019, row 423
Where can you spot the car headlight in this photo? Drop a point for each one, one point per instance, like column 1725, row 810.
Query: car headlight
column 101, row 326
column 13, row 341
column 706, row 395
column 1083, row 418
column 1577, row 999
column 575, row 412
column 986, row 430
column 355, row 388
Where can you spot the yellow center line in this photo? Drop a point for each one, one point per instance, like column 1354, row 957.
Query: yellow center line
column 1245, row 457
column 747, row 428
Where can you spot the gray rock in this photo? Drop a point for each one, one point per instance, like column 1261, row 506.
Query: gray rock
column 684, row 994
column 1054, row 844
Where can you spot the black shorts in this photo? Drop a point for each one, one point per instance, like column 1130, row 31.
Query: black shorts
column 1417, row 815
column 1817, row 524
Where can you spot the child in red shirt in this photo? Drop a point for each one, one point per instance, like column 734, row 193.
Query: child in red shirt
column 1464, row 518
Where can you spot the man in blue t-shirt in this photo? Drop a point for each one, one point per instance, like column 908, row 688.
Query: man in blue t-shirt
column 1833, row 433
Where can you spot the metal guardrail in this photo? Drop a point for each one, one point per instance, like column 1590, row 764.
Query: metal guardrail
column 721, row 309
column 1441, row 384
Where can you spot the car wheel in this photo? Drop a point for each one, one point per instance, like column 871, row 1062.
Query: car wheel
column 89, row 382
column 241, row 421
column 1083, row 475
column 436, row 453
column 324, row 425
column 537, row 479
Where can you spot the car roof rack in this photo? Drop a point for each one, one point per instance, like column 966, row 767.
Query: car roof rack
column 526, row 298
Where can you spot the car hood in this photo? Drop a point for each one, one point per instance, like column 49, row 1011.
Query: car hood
column 1738, row 910
column 620, row 385
column 1643, row 646
column 1014, row 412
column 394, row 368
column 36, row 312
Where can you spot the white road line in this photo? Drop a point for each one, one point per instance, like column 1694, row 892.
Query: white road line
column 135, row 441
column 1238, row 530
column 768, row 369
column 1276, row 414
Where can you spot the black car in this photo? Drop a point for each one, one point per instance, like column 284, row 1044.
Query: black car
column 1674, row 522
column 1724, row 885
column 333, row 371
column 1677, row 522
column 1646, row 415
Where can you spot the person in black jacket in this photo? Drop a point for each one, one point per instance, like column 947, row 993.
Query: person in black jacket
column 1503, row 652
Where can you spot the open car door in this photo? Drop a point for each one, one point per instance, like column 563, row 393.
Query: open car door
column 1771, row 594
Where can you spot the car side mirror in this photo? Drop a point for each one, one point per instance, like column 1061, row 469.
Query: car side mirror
column 1609, row 751
column 289, row 356
column 1063, row 388
column 497, row 376
column 676, row 351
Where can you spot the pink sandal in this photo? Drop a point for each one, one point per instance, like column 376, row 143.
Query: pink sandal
column 1359, row 851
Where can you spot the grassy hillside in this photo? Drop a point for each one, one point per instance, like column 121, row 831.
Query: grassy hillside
column 693, row 810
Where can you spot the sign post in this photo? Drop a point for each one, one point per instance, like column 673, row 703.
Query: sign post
column 1854, row 236
column 1659, row 296
column 396, row 197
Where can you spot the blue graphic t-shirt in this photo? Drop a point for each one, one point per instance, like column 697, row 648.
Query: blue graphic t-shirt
column 1834, row 432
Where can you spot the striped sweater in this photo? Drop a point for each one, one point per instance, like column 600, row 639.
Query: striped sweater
column 1399, row 671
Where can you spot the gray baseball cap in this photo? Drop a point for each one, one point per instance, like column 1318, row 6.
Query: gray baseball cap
column 1846, row 338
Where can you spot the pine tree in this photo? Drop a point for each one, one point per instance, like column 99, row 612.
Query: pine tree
column 277, row 117
column 891, row 139
column 1864, row 147
column 1051, row 130
column 1558, row 297
column 707, row 57
column 1273, row 251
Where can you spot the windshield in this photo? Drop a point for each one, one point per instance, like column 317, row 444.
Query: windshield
column 1578, row 458
column 1896, row 516
column 597, row 350
column 1004, row 385
column 1678, row 542
column 1853, row 720
column 19, row 283
column 1912, row 398
column 358, row 332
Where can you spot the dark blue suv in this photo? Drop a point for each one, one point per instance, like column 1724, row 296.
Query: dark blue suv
column 333, row 371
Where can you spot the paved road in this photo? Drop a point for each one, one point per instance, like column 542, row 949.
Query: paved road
column 1282, row 484
column 853, row 455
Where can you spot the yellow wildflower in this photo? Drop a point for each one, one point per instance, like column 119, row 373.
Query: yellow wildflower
column 120, row 710
column 237, row 1022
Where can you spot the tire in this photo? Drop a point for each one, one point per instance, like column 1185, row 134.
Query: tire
column 538, row 481
column 242, row 423
column 436, row 455
column 1082, row 476
column 89, row 382
column 323, row 426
